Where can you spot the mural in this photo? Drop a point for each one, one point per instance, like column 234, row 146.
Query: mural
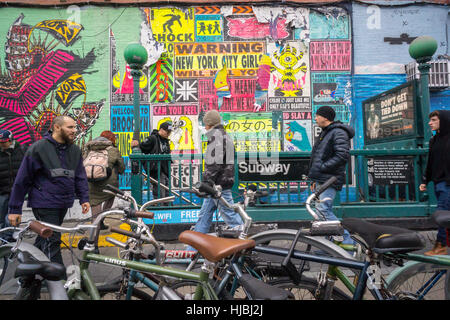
column 265, row 69
column 44, row 78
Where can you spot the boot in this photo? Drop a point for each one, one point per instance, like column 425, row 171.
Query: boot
column 438, row 249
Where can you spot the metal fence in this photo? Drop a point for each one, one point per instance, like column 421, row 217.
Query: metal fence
column 379, row 183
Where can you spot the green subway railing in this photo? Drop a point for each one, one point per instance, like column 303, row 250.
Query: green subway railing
column 359, row 197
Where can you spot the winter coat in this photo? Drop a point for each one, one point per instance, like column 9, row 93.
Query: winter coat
column 52, row 174
column 330, row 154
column 438, row 163
column 10, row 160
column 219, row 158
column 155, row 144
column 115, row 162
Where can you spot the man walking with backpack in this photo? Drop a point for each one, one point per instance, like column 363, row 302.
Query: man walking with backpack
column 103, row 164
column 52, row 174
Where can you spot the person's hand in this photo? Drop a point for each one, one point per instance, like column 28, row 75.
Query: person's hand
column 14, row 219
column 313, row 186
column 134, row 143
column 423, row 187
column 85, row 207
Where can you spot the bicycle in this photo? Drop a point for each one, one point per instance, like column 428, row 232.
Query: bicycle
column 133, row 248
column 31, row 267
column 325, row 284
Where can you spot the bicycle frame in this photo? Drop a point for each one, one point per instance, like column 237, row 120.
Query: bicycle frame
column 338, row 262
column 204, row 289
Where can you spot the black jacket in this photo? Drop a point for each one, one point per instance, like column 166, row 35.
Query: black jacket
column 330, row 154
column 438, row 164
column 219, row 158
column 10, row 161
column 155, row 144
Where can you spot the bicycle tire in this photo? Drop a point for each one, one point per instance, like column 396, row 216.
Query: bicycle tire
column 284, row 237
column 306, row 288
column 405, row 281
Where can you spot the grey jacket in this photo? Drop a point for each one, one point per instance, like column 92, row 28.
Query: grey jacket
column 219, row 158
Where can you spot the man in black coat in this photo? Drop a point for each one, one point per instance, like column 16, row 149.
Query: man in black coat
column 11, row 155
column 329, row 157
column 158, row 143
column 438, row 171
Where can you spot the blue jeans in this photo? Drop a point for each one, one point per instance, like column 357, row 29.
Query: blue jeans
column 210, row 205
column 442, row 191
column 326, row 208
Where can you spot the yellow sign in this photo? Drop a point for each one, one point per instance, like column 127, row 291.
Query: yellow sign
column 66, row 31
column 172, row 25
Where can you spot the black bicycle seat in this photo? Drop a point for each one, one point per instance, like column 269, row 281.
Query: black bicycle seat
column 382, row 239
column 29, row 267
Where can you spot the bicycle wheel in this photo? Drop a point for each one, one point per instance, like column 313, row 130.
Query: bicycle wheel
column 116, row 294
column 306, row 288
column 420, row 280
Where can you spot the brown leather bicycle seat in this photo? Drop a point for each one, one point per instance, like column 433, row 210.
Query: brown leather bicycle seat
column 213, row 248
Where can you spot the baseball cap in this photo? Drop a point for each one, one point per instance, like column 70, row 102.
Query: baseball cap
column 5, row 135
column 166, row 126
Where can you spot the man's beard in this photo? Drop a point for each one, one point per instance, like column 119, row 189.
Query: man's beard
column 66, row 137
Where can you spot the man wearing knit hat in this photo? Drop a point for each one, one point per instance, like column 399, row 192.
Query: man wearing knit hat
column 329, row 155
column 219, row 170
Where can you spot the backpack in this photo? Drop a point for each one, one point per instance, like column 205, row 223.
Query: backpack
column 96, row 165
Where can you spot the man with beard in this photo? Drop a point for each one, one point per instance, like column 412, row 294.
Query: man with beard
column 52, row 174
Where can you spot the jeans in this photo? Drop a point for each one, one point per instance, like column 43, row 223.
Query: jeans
column 163, row 179
column 326, row 208
column 442, row 191
column 210, row 205
column 51, row 247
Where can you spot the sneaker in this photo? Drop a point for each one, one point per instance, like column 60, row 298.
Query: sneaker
column 438, row 249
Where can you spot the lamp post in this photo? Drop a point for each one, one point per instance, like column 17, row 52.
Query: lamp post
column 136, row 56
column 421, row 50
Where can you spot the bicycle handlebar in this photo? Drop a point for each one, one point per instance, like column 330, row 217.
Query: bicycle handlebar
column 42, row 230
column 325, row 186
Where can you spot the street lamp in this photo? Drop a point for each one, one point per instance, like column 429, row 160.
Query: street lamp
column 421, row 50
column 136, row 57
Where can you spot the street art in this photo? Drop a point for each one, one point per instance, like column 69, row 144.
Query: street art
column 43, row 80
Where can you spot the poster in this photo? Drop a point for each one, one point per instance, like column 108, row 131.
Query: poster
column 390, row 115
column 297, row 131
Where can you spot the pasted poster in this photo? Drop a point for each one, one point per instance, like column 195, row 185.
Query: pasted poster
column 247, row 27
column 297, row 131
column 184, row 137
column 290, row 74
column 390, row 115
column 329, row 23
column 331, row 55
column 208, row 28
column 252, row 132
column 122, row 124
column 242, row 96
column 200, row 60
column 171, row 25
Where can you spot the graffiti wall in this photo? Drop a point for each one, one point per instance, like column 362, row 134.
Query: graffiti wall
column 265, row 69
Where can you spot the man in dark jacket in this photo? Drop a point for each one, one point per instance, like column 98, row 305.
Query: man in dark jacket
column 219, row 170
column 11, row 155
column 51, row 173
column 158, row 143
column 438, row 171
column 329, row 155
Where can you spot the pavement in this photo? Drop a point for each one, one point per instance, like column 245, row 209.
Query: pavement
column 103, row 273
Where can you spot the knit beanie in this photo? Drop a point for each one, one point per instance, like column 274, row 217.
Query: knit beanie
column 212, row 118
column 326, row 112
